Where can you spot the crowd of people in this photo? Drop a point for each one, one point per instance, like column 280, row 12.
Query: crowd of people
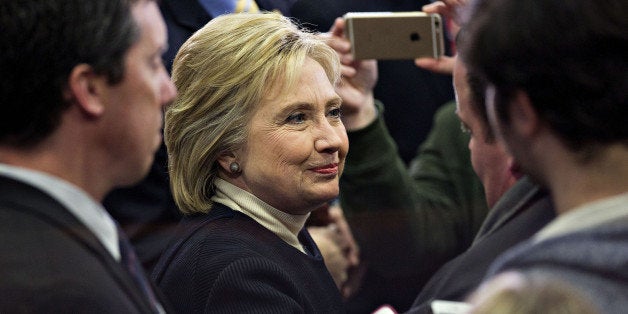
column 227, row 157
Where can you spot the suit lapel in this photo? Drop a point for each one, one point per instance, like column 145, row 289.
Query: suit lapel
column 515, row 200
column 31, row 200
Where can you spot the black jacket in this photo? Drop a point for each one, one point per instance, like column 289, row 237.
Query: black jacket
column 226, row 262
column 51, row 263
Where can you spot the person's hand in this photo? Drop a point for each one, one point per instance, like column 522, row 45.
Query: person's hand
column 344, row 237
column 358, row 80
column 331, row 216
column 336, row 262
column 449, row 10
column 332, row 234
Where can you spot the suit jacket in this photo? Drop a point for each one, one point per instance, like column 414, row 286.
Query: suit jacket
column 51, row 263
column 520, row 213
column 147, row 212
column 226, row 262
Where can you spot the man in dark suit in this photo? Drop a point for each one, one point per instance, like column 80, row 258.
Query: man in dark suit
column 518, row 211
column 82, row 94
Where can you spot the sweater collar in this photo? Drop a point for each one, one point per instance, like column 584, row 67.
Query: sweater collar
column 285, row 226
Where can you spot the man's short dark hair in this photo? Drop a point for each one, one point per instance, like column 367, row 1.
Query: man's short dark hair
column 41, row 41
column 568, row 56
column 477, row 89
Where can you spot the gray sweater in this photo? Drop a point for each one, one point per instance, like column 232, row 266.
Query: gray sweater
column 594, row 260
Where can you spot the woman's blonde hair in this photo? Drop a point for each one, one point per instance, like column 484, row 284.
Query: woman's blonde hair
column 222, row 73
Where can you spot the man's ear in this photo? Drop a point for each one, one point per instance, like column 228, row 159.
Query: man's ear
column 85, row 90
column 523, row 116
column 514, row 167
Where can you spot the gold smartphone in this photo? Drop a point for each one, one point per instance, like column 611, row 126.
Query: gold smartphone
column 394, row 35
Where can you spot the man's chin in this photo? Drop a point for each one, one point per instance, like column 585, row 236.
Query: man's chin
column 137, row 175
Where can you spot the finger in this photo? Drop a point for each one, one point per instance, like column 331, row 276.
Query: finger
column 347, row 71
column 454, row 3
column 338, row 28
column 340, row 44
column 442, row 65
column 437, row 7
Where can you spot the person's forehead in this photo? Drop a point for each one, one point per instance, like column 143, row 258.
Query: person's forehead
column 151, row 26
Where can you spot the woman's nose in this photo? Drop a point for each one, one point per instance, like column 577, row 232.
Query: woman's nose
column 328, row 138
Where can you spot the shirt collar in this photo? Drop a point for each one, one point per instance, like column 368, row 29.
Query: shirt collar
column 586, row 216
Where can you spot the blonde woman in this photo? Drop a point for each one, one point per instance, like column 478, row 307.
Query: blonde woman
column 255, row 143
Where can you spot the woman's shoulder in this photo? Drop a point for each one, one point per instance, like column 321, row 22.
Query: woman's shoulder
column 223, row 230
column 223, row 237
column 222, row 224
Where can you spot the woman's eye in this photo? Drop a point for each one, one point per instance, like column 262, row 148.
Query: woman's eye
column 335, row 112
column 296, row 118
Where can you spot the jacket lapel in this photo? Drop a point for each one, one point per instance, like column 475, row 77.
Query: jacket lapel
column 36, row 202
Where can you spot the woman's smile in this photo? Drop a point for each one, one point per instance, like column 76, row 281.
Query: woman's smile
column 329, row 169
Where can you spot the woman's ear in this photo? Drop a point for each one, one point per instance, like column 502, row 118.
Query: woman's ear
column 229, row 164
column 84, row 89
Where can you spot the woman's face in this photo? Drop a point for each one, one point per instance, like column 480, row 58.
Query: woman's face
column 296, row 145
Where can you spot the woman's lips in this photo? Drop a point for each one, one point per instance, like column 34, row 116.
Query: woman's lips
column 326, row 169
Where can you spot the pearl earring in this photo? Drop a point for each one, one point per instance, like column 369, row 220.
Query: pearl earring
column 235, row 167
